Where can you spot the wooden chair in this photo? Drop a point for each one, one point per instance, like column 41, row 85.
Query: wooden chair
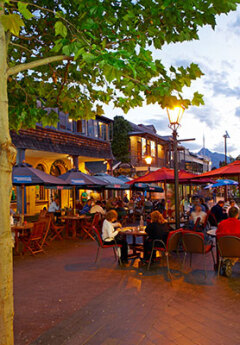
column 193, row 243
column 87, row 227
column 35, row 241
column 229, row 248
column 55, row 230
column 101, row 245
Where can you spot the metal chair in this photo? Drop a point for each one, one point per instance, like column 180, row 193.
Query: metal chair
column 171, row 245
column 229, row 248
column 101, row 245
column 193, row 243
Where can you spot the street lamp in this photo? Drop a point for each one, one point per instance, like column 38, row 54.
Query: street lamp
column 174, row 116
column 225, row 136
column 148, row 160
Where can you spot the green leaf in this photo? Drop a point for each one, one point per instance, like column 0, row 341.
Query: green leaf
column 12, row 23
column 197, row 99
column 60, row 29
column 22, row 7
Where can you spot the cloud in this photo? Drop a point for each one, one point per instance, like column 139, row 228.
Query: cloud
column 235, row 26
column 192, row 146
column 237, row 112
column 205, row 114
column 220, row 147
column 182, row 62
column 160, row 122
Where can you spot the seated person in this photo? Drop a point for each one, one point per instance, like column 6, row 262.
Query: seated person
column 87, row 207
column 231, row 227
column 54, row 206
column 204, row 204
column 112, row 236
column 157, row 229
column 196, row 202
column 148, row 203
column 198, row 213
column 218, row 212
column 97, row 208
column 232, row 203
column 125, row 199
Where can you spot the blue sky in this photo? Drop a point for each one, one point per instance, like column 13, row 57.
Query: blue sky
column 218, row 55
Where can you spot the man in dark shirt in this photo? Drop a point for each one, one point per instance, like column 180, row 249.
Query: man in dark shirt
column 218, row 213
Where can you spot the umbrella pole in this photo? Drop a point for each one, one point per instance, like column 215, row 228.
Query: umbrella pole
column 165, row 189
column 74, row 200
column 22, row 215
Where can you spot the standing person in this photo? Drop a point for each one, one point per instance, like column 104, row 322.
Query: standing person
column 157, row 229
column 125, row 199
column 112, row 236
column 218, row 212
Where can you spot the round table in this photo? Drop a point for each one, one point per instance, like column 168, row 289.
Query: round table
column 20, row 229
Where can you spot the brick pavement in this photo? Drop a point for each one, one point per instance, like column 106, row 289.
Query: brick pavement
column 63, row 298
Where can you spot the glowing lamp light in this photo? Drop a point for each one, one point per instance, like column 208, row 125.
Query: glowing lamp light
column 70, row 120
column 175, row 115
column 148, row 160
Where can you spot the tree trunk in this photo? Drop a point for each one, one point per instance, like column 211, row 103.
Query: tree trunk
column 7, row 157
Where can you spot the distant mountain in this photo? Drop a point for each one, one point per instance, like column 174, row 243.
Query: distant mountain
column 215, row 157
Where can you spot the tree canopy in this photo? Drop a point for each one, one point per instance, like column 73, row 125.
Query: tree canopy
column 98, row 52
column 120, row 142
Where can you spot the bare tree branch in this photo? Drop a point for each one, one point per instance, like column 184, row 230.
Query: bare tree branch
column 33, row 64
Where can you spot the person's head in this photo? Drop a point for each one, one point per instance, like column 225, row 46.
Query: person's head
column 221, row 203
column 111, row 216
column 156, row 217
column 98, row 203
column 233, row 212
column 232, row 203
column 89, row 202
column 57, row 200
column 201, row 200
column 198, row 208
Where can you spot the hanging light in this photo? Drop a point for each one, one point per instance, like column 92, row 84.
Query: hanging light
column 148, row 160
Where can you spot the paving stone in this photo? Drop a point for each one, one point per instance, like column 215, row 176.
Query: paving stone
column 63, row 298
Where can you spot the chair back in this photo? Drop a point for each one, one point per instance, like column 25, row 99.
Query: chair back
column 193, row 242
column 97, row 236
column 212, row 219
column 96, row 219
column 196, row 224
column 229, row 246
column 173, row 240
column 38, row 230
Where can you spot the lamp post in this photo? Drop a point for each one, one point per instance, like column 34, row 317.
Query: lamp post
column 174, row 116
column 148, row 160
column 225, row 136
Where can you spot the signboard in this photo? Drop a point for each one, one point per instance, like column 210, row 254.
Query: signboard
column 77, row 181
column 22, row 179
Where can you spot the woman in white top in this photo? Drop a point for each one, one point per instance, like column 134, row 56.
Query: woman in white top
column 112, row 236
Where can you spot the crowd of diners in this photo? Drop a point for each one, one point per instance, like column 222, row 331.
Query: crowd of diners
column 223, row 215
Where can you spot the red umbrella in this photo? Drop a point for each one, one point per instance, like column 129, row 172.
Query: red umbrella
column 232, row 169
column 163, row 175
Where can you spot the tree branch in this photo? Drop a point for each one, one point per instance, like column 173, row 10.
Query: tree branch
column 23, row 67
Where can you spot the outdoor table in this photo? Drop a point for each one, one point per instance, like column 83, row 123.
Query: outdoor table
column 172, row 222
column 134, row 232
column 20, row 229
column 74, row 220
column 212, row 233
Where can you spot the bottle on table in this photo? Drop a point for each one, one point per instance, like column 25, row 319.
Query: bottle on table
column 141, row 224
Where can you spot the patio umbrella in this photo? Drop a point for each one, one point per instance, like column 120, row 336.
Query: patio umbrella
column 222, row 183
column 75, row 177
column 112, row 182
column 25, row 175
column 163, row 175
column 232, row 169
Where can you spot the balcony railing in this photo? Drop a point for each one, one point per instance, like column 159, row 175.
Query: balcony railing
column 140, row 162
